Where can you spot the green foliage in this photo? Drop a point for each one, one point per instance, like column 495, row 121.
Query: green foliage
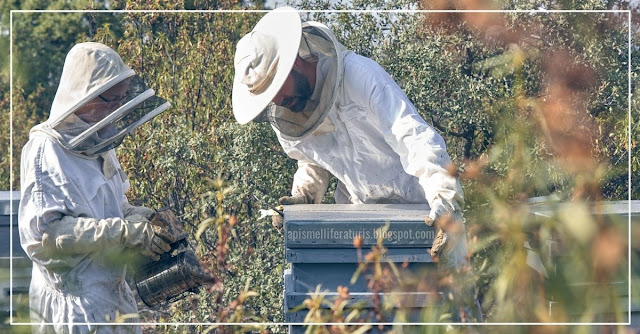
column 462, row 79
column 490, row 90
column 529, row 105
column 186, row 57
column 42, row 40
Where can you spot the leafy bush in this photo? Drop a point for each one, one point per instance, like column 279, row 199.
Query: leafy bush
column 529, row 105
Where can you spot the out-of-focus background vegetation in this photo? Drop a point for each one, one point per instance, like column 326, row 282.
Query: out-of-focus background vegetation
column 530, row 104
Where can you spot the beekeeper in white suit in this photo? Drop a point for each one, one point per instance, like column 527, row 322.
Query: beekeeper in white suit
column 75, row 222
column 341, row 114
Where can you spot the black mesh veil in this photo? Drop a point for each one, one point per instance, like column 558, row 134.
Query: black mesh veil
column 123, row 116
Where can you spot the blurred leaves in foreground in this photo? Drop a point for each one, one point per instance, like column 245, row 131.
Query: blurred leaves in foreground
column 530, row 104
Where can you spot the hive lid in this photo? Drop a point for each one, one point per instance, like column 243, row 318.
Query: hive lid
column 336, row 225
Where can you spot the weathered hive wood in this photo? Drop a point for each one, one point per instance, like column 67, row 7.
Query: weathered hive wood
column 9, row 226
column 336, row 225
column 614, row 213
column 16, row 268
column 320, row 249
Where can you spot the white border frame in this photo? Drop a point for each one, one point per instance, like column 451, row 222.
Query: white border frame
column 249, row 324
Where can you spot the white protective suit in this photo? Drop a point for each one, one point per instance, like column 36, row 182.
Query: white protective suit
column 354, row 122
column 74, row 219
column 380, row 149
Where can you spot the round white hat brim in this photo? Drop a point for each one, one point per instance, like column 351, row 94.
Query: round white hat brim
column 285, row 26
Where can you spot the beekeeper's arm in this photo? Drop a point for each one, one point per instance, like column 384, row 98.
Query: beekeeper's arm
column 422, row 151
column 49, row 231
column 129, row 210
column 80, row 235
column 310, row 182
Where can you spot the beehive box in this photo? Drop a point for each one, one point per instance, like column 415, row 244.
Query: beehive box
column 616, row 214
column 319, row 248
column 319, row 242
column 20, row 273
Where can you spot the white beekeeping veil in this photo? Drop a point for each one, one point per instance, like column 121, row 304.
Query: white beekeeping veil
column 99, row 101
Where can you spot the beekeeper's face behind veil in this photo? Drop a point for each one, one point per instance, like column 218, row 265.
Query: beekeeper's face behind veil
column 270, row 80
column 99, row 101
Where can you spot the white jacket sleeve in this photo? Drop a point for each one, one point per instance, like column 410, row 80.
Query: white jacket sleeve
column 310, row 181
column 421, row 149
column 50, row 238
column 46, row 230
column 129, row 210
column 37, row 210
column 79, row 235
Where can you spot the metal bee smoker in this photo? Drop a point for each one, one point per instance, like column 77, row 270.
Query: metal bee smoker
column 177, row 272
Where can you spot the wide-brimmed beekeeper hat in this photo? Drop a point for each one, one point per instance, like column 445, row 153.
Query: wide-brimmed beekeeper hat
column 264, row 57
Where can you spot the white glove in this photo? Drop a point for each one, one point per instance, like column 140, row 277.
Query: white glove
column 79, row 235
column 156, row 244
column 129, row 210
column 277, row 219
column 450, row 245
column 291, row 200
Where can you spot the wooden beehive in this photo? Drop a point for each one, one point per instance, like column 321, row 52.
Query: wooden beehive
column 319, row 242
column 616, row 214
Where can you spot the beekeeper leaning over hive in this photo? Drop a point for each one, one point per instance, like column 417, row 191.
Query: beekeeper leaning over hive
column 74, row 219
column 341, row 114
